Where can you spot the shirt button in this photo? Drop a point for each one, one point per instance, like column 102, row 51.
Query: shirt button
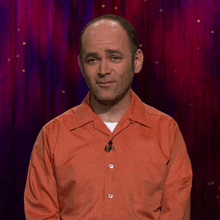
column 111, row 166
column 110, row 196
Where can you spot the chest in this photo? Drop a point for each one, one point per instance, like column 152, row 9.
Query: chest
column 138, row 156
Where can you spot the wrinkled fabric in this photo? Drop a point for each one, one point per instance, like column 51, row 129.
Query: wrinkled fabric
column 70, row 177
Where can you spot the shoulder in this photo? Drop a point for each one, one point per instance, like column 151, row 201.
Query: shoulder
column 166, row 130
column 159, row 118
column 64, row 121
column 58, row 128
column 149, row 115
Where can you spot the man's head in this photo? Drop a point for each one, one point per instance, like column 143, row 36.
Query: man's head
column 127, row 26
column 108, row 61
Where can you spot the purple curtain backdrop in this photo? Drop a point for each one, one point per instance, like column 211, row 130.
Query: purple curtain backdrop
column 40, row 79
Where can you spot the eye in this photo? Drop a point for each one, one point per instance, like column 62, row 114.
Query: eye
column 116, row 58
column 91, row 61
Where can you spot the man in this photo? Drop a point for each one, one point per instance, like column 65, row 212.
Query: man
column 112, row 157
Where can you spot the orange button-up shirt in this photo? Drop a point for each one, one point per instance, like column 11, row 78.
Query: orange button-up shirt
column 75, row 174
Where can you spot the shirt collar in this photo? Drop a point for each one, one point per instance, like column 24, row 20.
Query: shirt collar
column 83, row 114
column 138, row 111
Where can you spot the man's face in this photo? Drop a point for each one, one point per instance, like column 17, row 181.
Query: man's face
column 106, row 61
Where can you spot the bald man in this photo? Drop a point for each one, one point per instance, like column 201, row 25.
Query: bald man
column 112, row 157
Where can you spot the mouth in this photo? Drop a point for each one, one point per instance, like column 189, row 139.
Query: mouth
column 105, row 84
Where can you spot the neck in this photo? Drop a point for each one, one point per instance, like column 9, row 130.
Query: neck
column 111, row 113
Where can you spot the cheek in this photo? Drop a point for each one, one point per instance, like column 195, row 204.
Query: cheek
column 89, row 74
column 127, row 76
column 89, row 80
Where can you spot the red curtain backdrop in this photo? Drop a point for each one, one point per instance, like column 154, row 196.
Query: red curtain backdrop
column 40, row 79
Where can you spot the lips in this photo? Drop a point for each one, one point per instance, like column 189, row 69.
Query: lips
column 105, row 84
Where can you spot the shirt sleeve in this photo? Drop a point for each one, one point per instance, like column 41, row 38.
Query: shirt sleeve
column 40, row 197
column 175, row 204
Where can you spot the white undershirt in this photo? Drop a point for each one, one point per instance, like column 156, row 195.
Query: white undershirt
column 111, row 125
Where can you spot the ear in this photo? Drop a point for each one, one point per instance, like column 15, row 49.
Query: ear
column 138, row 61
column 80, row 63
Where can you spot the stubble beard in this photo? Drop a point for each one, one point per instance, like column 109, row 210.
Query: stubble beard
column 110, row 102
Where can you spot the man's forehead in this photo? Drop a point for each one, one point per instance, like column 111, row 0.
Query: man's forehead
column 107, row 51
column 106, row 34
column 102, row 26
column 93, row 51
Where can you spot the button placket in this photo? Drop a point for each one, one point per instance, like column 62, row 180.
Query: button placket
column 109, row 176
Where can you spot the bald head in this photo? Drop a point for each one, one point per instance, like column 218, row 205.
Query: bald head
column 112, row 21
column 104, row 32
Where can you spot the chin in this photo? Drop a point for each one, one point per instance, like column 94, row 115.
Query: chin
column 108, row 102
column 109, row 98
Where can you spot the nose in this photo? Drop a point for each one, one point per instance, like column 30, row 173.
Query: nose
column 103, row 68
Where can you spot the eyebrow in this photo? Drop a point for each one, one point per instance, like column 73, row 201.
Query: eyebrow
column 114, row 51
column 108, row 51
column 91, row 55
